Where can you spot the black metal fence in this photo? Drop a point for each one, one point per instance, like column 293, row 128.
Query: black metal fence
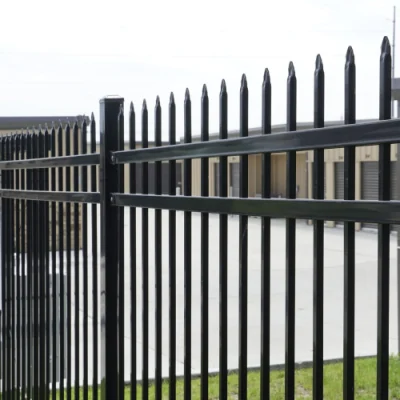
column 65, row 298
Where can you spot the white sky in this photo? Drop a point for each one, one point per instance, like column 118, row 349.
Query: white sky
column 60, row 58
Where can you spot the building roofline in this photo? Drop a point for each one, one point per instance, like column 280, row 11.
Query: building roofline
column 279, row 128
column 10, row 123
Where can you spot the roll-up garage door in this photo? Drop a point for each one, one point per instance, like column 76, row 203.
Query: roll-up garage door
column 339, row 183
column 235, row 175
column 393, row 180
column 369, row 184
column 216, row 179
column 339, row 180
column 393, row 184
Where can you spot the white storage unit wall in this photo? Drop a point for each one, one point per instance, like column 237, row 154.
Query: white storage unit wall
column 235, row 179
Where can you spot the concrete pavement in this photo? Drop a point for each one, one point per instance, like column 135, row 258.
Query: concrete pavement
column 366, row 294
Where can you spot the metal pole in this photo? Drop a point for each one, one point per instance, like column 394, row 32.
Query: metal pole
column 393, row 53
column 109, row 111
column 398, row 240
column 397, row 183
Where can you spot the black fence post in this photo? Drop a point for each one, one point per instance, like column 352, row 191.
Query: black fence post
column 109, row 110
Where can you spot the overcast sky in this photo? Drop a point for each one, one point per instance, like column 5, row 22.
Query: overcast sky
column 60, row 58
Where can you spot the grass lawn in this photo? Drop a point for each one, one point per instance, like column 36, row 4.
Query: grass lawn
column 365, row 383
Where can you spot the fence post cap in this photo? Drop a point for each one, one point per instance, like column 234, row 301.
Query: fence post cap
column 111, row 99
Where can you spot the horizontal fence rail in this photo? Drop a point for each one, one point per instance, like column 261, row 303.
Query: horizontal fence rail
column 42, row 195
column 308, row 139
column 387, row 212
column 63, row 161
column 117, row 280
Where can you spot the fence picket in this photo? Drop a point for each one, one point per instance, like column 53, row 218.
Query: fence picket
column 172, row 253
column 158, row 257
column 145, row 259
column 223, row 249
column 204, row 251
column 290, row 241
column 349, row 232
column 266, row 247
column 318, row 245
column 243, row 244
column 382, row 387
column 187, row 191
column 133, row 255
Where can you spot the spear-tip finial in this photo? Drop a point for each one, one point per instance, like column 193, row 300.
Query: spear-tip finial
column 131, row 108
column 158, row 103
column 292, row 71
column 223, row 86
column 243, row 82
column 144, row 107
column 172, row 98
column 187, row 94
column 318, row 62
column 267, row 77
column 350, row 55
column 204, row 92
column 92, row 116
column 385, row 47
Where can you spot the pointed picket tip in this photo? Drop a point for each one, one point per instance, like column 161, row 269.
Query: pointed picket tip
column 92, row 117
column 172, row 98
column 350, row 55
column 144, row 107
column 187, row 94
column 204, row 92
column 131, row 108
column 158, row 103
column 267, row 77
column 385, row 47
column 243, row 84
column 291, row 69
column 318, row 62
column 223, row 86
